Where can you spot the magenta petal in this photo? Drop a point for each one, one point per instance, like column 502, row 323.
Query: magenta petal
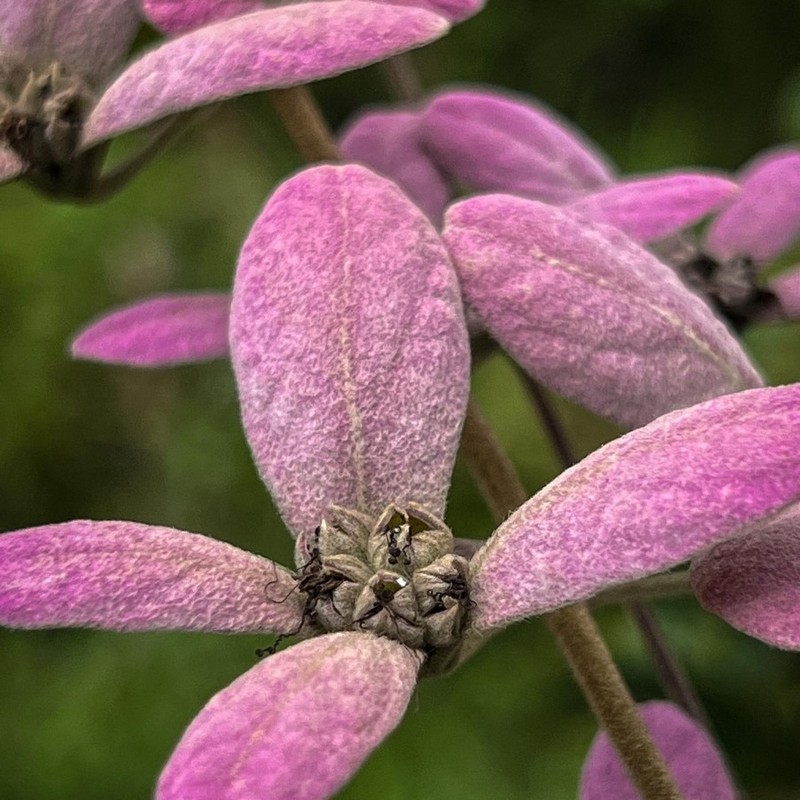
column 647, row 209
column 644, row 503
column 133, row 577
column 298, row 725
column 349, row 347
column 269, row 49
column 490, row 141
column 159, row 332
column 388, row 142
column 765, row 218
column 689, row 751
column 178, row 16
column 588, row 312
column 787, row 288
column 753, row 581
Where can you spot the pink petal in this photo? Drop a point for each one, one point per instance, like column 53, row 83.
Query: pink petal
column 388, row 142
column 349, row 347
column 690, row 753
column 588, row 312
column 647, row 209
column 490, row 141
column 453, row 10
column 178, row 16
column 270, row 49
column 133, row 577
column 298, row 725
column 753, row 581
column 765, row 218
column 11, row 165
column 787, row 288
column 644, row 503
column 90, row 37
column 161, row 331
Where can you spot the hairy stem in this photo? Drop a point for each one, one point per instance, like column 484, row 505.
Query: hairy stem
column 574, row 628
column 304, row 123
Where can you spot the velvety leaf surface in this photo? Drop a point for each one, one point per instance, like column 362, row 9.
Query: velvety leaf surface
column 753, row 581
column 161, row 331
column 644, row 503
column 349, row 347
column 491, row 141
column 297, row 725
column 178, row 16
column 689, row 751
column 389, row 143
column 588, row 312
column 133, row 577
column 647, row 209
column 269, row 49
column 765, row 218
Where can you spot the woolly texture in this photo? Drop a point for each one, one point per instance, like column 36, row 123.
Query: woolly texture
column 644, row 503
column 297, row 725
column 349, row 347
column 647, row 209
column 158, row 332
column 491, row 141
column 178, row 16
column 588, row 312
column 389, row 143
column 689, row 751
column 270, row 49
column 131, row 577
column 753, row 582
column 765, row 218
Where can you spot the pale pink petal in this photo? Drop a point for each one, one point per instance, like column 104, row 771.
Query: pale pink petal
column 298, row 725
column 787, row 288
column 765, row 218
column 588, row 312
column 270, row 49
column 753, row 581
column 90, row 37
column 11, row 165
column 162, row 331
column 647, row 209
column 689, row 751
column 349, row 347
column 644, row 503
column 491, row 141
column 178, row 16
column 388, row 142
column 132, row 577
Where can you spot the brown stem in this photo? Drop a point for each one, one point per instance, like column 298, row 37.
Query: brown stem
column 403, row 77
column 654, row 587
column 574, row 628
column 304, row 123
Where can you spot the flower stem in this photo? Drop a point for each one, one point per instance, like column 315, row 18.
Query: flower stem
column 574, row 628
column 304, row 123
column 403, row 77
column 653, row 587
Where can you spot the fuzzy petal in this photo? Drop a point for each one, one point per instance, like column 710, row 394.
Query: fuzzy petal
column 270, row 49
column 349, row 347
column 178, row 16
column 689, row 751
column 647, row 209
column 490, row 141
column 588, row 312
column 159, row 332
column 765, row 218
column 90, row 37
column 753, row 581
column 787, row 288
column 11, row 165
column 388, row 142
column 644, row 503
column 132, row 577
column 296, row 726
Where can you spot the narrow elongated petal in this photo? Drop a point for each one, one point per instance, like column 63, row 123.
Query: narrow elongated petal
column 690, row 753
column 389, row 143
column 349, row 347
column 90, row 37
column 269, row 49
column 644, row 503
column 162, row 331
column 178, row 16
column 11, row 165
column 588, row 312
column 296, row 726
column 765, row 218
column 753, row 581
column 132, row 577
column 787, row 287
column 647, row 209
column 490, row 141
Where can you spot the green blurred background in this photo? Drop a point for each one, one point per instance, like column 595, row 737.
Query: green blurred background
column 94, row 715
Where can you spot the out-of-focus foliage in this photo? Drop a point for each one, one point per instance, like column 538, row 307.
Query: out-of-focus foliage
column 94, row 715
